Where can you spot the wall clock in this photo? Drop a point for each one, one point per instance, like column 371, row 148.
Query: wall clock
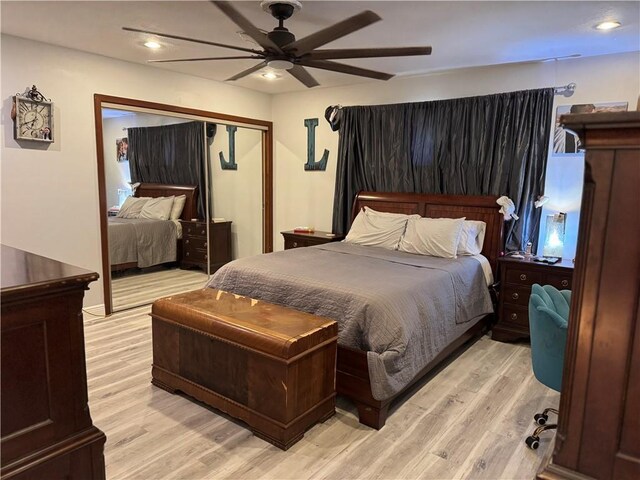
column 33, row 117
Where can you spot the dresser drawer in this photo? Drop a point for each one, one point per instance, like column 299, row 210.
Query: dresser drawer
column 561, row 282
column 516, row 315
column 523, row 277
column 516, row 295
column 195, row 229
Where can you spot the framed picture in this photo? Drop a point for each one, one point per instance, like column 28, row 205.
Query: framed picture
column 122, row 148
column 566, row 142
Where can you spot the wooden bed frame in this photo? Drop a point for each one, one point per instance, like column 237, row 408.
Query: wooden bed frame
column 352, row 379
column 155, row 190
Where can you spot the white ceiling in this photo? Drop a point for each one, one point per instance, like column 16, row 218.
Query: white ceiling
column 462, row 34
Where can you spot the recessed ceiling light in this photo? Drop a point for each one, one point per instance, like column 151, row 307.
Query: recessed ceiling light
column 271, row 75
column 610, row 25
column 153, row 45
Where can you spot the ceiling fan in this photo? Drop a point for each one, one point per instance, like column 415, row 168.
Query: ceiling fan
column 282, row 51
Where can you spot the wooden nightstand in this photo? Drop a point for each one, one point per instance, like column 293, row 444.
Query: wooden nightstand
column 295, row 240
column 196, row 252
column 516, row 277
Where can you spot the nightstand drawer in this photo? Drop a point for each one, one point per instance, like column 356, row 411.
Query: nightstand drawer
column 195, row 229
column 290, row 243
column 516, row 295
column 192, row 242
column 523, row 277
column 561, row 282
column 516, row 315
column 197, row 255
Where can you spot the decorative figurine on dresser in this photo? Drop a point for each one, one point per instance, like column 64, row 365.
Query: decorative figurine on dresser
column 516, row 277
column 307, row 237
column 47, row 431
column 198, row 251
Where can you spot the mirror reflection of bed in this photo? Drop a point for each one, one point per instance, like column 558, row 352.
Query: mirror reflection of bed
column 149, row 258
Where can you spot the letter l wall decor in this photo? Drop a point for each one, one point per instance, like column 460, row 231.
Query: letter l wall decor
column 311, row 124
column 231, row 164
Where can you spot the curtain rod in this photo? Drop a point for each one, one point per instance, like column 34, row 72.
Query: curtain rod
column 565, row 90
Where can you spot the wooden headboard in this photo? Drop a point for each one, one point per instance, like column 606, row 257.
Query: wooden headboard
column 190, row 209
column 473, row 207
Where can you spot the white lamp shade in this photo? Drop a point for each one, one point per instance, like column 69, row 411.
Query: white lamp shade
column 554, row 235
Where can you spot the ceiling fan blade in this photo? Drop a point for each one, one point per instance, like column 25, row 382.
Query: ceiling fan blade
column 201, row 59
column 246, row 72
column 368, row 52
column 246, row 26
column 329, row 34
column 303, row 76
column 187, row 39
column 342, row 68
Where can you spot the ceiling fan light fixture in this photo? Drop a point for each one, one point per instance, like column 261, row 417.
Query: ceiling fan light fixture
column 608, row 25
column 270, row 75
column 280, row 64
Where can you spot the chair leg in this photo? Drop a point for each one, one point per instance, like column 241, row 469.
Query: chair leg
column 543, row 418
column 533, row 441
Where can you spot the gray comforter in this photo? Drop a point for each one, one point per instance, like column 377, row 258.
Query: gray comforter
column 402, row 309
column 146, row 242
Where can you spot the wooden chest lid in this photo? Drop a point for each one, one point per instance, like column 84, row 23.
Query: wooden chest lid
column 254, row 324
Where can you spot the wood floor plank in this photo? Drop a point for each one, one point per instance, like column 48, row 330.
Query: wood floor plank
column 467, row 421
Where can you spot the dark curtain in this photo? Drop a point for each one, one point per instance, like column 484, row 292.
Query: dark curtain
column 489, row 145
column 170, row 154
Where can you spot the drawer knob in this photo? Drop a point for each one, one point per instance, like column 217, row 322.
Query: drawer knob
column 515, row 296
column 203, row 232
column 186, row 254
column 523, row 276
column 205, row 244
column 564, row 283
column 295, row 244
column 205, row 256
column 514, row 316
column 186, row 241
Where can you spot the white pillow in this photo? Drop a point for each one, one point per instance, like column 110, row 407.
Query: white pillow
column 438, row 237
column 157, row 208
column 132, row 207
column 178, row 206
column 472, row 237
column 378, row 229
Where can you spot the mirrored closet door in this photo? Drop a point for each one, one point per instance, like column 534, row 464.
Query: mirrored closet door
column 181, row 194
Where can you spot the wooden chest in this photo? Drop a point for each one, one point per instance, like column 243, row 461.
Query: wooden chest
column 272, row 367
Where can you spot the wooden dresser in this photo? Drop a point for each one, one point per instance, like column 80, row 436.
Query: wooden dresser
column 295, row 240
column 198, row 252
column 516, row 278
column 599, row 422
column 47, row 430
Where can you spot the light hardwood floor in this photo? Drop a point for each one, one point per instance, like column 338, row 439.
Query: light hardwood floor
column 136, row 289
column 468, row 421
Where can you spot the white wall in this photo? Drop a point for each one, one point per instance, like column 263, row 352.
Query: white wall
column 49, row 195
column 237, row 194
column 306, row 198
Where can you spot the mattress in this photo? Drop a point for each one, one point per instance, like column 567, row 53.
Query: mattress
column 402, row 309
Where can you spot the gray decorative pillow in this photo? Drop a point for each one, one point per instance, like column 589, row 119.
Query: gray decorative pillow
column 132, row 207
column 157, row 208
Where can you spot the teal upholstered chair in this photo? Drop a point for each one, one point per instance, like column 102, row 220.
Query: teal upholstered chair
column 548, row 320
